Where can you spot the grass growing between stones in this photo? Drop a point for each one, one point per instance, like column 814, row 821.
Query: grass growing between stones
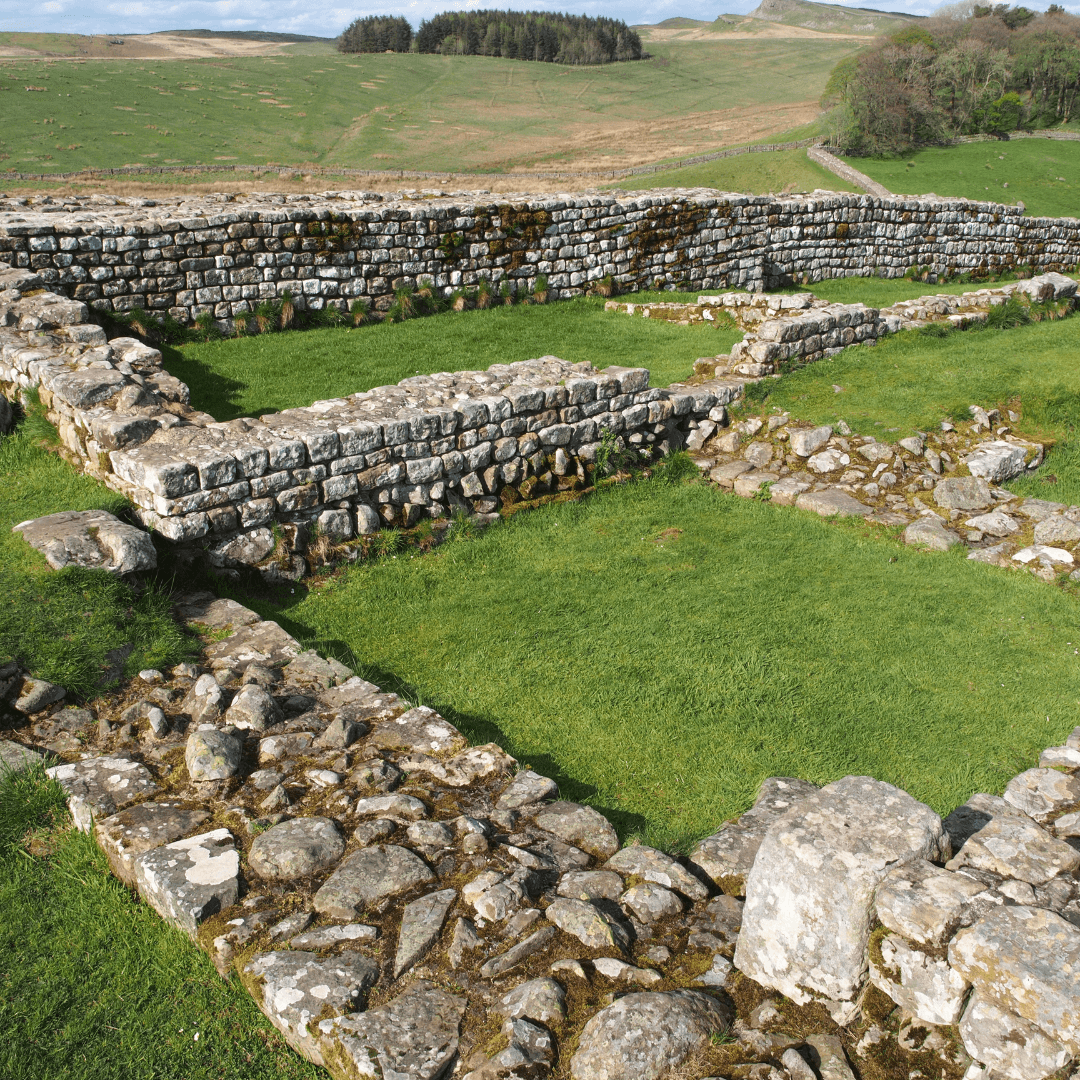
column 660, row 649
column 1040, row 173
column 62, row 625
column 254, row 375
column 93, row 984
column 912, row 382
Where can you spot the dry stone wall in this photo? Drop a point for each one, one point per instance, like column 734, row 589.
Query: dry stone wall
column 224, row 254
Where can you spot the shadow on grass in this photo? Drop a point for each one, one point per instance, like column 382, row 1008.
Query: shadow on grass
column 211, row 391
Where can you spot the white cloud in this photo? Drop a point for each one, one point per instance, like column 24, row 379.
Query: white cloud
column 302, row 17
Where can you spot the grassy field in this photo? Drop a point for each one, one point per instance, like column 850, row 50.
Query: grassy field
column 660, row 649
column 408, row 111
column 277, row 371
column 1041, row 173
column 911, row 382
column 93, row 984
column 62, row 624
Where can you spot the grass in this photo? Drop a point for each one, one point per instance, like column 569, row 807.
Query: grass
column 754, row 174
column 911, row 382
column 1042, row 174
column 434, row 113
column 93, row 984
column 63, row 624
column 661, row 649
column 254, row 375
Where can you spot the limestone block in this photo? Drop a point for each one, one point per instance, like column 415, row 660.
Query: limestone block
column 926, row 987
column 91, row 538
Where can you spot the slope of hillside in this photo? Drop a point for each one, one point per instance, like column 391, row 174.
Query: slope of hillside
column 830, row 18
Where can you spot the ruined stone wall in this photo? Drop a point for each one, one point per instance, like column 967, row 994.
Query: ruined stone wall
column 225, row 254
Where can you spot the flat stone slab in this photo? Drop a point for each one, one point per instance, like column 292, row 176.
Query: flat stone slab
column 810, row 894
column 727, row 856
column 930, row 532
column 16, row 758
column 591, row 926
column 325, row 936
column 832, row 503
column 1043, row 794
column 296, row 849
column 126, row 835
column 581, row 826
column 421, row 924
column 187, row 881
column 1013, row 846
column 643, row 1036
column 262, row 643
column 205, row 609
column 420, row 730
column 413, row 1037
column 99, row 787
column 91, row 538
column 1026, row 961
column 924, row 903
column 655, row 866
column 294, row 989
column 369, row 876
column 527, row 788
column 963, row 493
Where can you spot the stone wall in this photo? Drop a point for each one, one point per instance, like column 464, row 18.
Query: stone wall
column 224, row 254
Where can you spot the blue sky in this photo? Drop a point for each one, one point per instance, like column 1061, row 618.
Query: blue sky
column 328, row 19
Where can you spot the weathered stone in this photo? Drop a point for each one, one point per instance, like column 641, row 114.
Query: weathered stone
column 527, row 788
column 996, row 461
column 805, row 441
column 827, row 1058
column 809, row 896
column 581, row 826
column 296, row 849
column 590, row 885
column 464, row 768
column 925, row 987
column 924, row 903
column 212, row 754
column 963, row 493
column 412, row 1037
column 421, row 925
column 37, row 694
column 1056, row 529
column 585, row 921
column 930, row 532
column 465, row 940
column 91, row 538
column 368, row 877
column 206, row 609
column 205, row 701
column 1026, row 961
column 126, row 835
column 263, row 643
column 421, row 730
column 1014, row 846
column 1008, row 1045
column 642, row 1036
column 187, row 881
column 507, row 961
column 727, row 856
column 99, row 787
column 542, row 1000
column 968, row 819
column 494, row 895
column 620, row 971
column 326, row 936
column 341, row 733
column 1043, row 794
column 294, row 989
column 394, row 807
column 832, row 502
column 16, row 758
column 309, row 668
column 253, row 709
column 653, row 865
column 994, row 523
column 650, row 902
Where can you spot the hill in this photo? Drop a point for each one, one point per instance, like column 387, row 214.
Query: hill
column 830, row 18
column 187, row 44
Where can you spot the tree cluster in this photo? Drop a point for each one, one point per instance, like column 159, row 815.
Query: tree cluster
column 967, row 70
column 376, row 33
column 529, row 35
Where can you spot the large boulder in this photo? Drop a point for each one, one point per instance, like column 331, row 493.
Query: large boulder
column 368, row 877
column 296, row 849
column 644, row 1036
column 810, row 895
column 91, row 538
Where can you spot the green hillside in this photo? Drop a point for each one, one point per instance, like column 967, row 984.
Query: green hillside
column 830, row 18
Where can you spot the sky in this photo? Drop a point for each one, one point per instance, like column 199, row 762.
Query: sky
column 329, row 19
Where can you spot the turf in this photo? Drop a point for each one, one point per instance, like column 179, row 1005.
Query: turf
column 62, row 625
column 911, row 382
column 1042, row 174
column 261, row 374
column 376, row 111
column 661, row 649
column 782, row 171
column 93, row 984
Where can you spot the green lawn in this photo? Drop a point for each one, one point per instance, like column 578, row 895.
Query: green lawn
column 61, row 624
column 753, row 174
column 93, row 984
column 661, row 649
column 376, row 111
column 1042, row 174
column 912, row 382
column 276, row 371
